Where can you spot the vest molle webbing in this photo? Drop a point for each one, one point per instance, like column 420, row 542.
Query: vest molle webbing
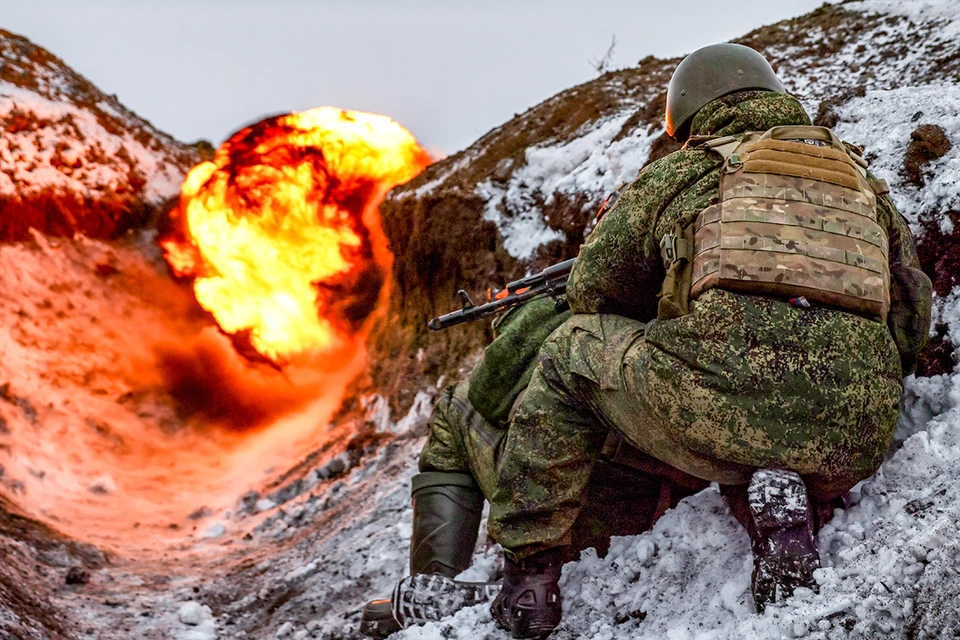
column 797, row 216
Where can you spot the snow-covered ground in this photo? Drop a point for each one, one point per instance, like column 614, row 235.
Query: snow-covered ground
column 890, row 560
column 70, row 152
column 297, row 550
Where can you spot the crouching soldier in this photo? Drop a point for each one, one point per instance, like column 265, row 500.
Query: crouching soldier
column 745, row 314
column 460, row 465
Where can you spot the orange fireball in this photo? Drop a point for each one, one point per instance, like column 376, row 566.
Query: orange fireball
column 281, row 230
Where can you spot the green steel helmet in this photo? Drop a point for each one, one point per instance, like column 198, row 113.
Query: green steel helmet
column 713, row 72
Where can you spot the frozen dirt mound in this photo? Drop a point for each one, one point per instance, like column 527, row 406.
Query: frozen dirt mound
column 73, row 159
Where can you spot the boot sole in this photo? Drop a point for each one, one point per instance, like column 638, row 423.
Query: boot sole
column 784, row 549
column 539, row 627
column 431, row 597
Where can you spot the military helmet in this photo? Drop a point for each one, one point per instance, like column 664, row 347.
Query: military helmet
column 712, row 72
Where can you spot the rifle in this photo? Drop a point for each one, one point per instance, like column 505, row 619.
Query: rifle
column 552, row 281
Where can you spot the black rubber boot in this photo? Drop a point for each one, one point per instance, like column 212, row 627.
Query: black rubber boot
column 447, row 508
column 529, row 604
column 781, row 525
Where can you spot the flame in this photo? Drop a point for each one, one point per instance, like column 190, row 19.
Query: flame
column 280, row 229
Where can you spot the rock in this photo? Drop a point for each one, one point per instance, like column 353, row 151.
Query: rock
column 927, row 143
column 99, row 178
column 103, row 486
column 193, row 613
column 105, row 270
column 287, row 492
column 78, row 575
column 248, row 502
column 200, row 514
column 265, row 504
column 332, row 469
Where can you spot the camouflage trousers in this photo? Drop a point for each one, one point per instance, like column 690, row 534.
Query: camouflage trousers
column 624, row 493
column 598, row 373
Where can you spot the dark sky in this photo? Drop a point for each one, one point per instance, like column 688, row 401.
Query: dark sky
column 448, row 71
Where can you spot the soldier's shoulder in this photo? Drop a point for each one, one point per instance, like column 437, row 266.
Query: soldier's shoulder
column 667, row 174
column 687, row 153
column 670, row 164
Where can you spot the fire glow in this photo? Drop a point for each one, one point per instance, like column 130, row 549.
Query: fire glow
column 158, row 411
column 281, row 230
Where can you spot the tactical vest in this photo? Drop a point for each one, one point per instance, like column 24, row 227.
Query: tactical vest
column 796, row 219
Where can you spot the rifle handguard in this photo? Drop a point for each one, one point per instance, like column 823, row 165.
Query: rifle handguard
column 551, row 281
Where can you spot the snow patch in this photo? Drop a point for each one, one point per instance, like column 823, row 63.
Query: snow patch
column 199, row 620
column 882, row 121
column 72, row 152
column 590, row 165
column 193, row 613
column 946, row 11
column 418, row 414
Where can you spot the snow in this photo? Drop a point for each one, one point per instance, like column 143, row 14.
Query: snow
column 265, row 504
column 882, row 121
column 64, row 136
column 193, row 613
column 94, row 162
column 948, row 312
column 896, row 545
column 690, row 576
column 946, row 11
column 590, row 165
column 523, row 232
column 199, row 622
column 300, row 560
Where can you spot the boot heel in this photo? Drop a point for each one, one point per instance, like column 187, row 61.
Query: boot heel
column 529, row 604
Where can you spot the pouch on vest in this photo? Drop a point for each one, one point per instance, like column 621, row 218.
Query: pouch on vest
column 797, row 216
column 676, row 249
column 508, row 362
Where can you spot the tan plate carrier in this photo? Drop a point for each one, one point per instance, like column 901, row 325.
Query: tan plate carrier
column 797, row 217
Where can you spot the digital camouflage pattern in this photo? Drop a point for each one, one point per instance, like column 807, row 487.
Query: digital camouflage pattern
column 461, row 440
column 671, row 190
column 618, row 500
column 626, row 491
column 509, row 360
column 467, row 426
column 738, row 383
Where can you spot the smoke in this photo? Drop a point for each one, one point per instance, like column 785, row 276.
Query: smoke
column 212, row 385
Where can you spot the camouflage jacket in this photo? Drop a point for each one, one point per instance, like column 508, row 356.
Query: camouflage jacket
column 620, row 269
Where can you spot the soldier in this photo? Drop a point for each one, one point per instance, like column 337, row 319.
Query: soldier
column 459, row 468
column 745, row 314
